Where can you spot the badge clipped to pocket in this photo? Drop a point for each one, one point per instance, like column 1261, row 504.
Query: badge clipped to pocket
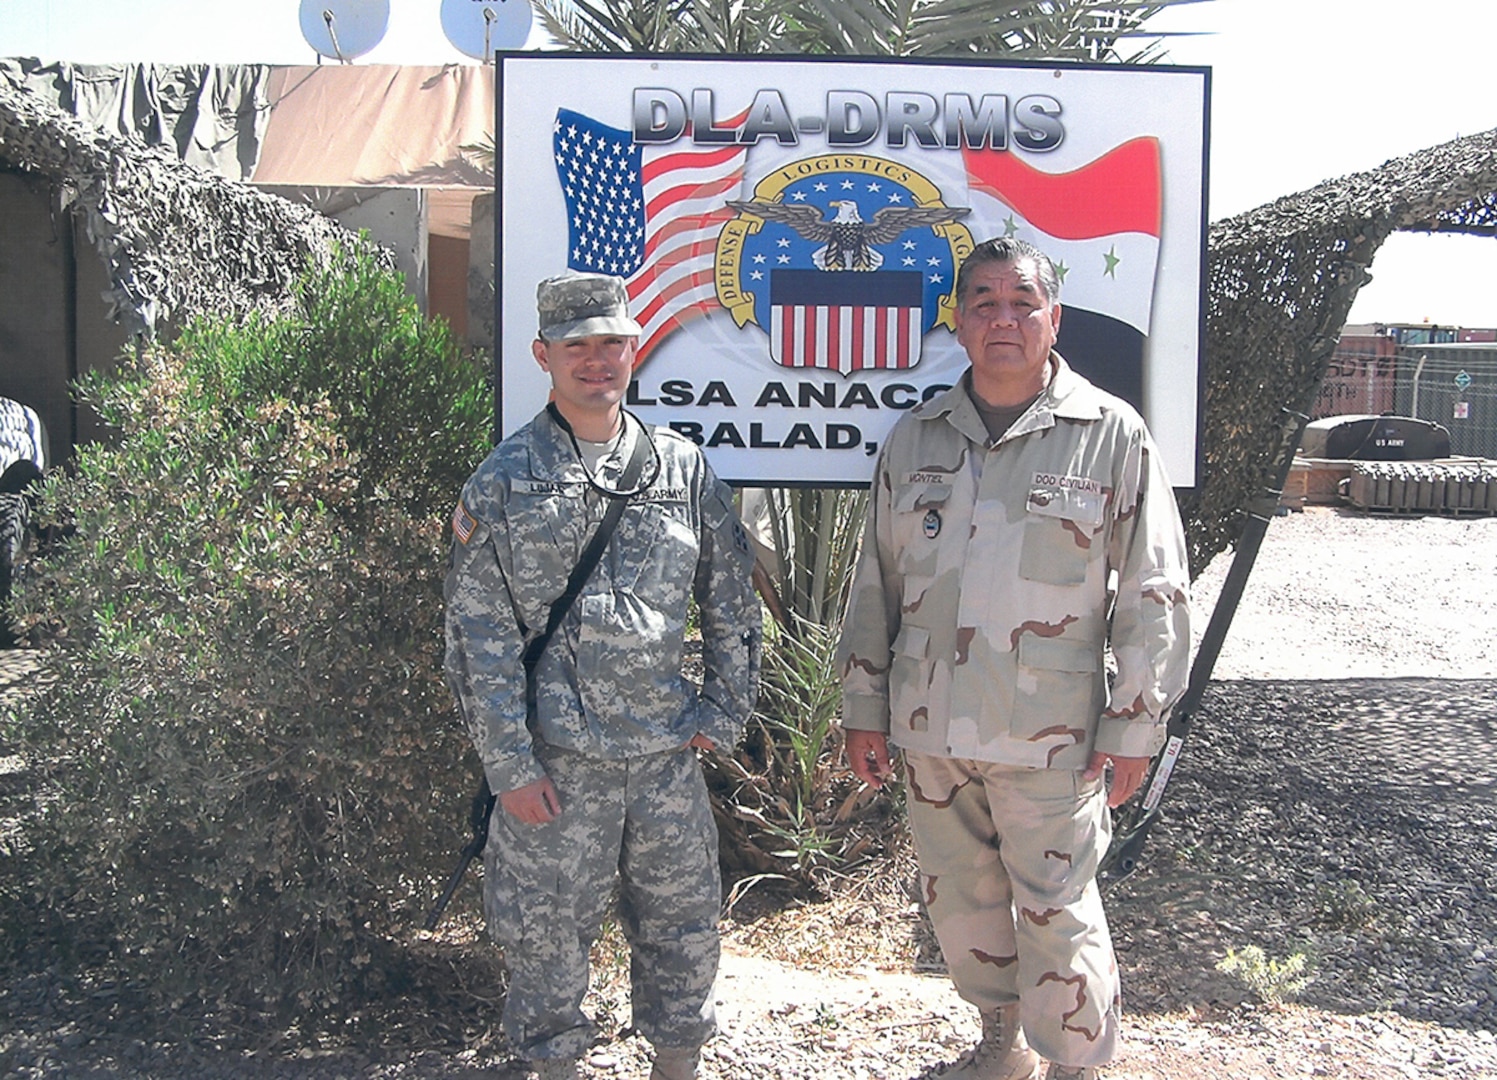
column 924, row 492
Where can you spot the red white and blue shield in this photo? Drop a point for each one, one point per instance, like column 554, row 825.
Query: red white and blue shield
column 846, row 320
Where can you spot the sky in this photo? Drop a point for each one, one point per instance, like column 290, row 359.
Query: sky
column 1302, row 91
column 1309, row 90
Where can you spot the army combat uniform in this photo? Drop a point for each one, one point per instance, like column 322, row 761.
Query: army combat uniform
column 979, row 619
column 610, row 722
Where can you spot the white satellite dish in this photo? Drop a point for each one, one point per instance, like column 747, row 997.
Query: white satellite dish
column 479, row 27
column 344, row 29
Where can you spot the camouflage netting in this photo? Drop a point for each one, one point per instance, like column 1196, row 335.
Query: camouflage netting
column 177, row 240
column 1281, row 281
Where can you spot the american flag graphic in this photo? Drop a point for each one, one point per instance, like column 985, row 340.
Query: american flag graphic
column 647, row 213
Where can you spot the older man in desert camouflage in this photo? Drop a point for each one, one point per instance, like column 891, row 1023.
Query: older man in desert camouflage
column 1020, row 525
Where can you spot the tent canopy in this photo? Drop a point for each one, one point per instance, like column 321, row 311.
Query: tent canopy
column 382, row 126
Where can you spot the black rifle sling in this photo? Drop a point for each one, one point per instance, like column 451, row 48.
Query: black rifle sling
column 483, row 802
column 591, row 555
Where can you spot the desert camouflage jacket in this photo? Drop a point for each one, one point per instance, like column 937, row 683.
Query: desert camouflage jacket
column 980, row 604
column 609, row 683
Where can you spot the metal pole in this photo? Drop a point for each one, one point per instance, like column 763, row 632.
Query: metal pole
column 1122, row 857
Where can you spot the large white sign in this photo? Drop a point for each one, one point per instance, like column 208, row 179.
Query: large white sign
column 790, row 232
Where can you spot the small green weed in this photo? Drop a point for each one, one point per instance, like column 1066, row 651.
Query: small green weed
column 1345, row 905
column 1274, row 981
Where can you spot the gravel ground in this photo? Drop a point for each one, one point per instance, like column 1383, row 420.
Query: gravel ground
column 1338, row 595
column 1336, row 801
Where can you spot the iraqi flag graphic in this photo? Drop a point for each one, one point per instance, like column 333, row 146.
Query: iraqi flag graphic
column 1100, row 226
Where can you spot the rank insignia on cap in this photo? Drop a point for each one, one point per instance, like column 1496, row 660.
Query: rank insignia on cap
column 932, row 524
column 463, row 523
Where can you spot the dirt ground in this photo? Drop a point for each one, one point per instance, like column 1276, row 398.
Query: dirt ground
column 1360, row 671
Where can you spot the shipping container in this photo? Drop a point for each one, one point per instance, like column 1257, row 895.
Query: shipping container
column 1361, row 375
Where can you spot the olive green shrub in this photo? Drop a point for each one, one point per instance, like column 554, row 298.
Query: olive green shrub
column 247, row 777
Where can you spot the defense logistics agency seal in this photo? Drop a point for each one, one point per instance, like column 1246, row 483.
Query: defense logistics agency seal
column 845, row 261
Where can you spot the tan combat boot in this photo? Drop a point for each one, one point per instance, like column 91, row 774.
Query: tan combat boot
column 675, row 1063
column 1063, row 1072
column 554, row 1069
column 1002, row 1054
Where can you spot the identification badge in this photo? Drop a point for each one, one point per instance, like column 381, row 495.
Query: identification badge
column 932, row 524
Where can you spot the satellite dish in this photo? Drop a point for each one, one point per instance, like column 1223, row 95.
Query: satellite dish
column 344, row 29
column 479, row 27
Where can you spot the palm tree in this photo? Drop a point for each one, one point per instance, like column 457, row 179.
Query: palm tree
column 1096, row 30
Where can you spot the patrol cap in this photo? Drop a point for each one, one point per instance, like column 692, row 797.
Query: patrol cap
column 581, row 305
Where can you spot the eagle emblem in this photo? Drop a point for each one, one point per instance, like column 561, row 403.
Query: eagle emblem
column 847, row 241
column 844, row 261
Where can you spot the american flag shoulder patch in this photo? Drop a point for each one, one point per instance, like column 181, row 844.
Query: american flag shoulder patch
column 463, row 523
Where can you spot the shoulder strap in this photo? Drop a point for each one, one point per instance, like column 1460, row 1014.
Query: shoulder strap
column 593, row 553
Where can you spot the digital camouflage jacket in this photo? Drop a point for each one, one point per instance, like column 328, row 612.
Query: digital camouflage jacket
column 980, row 605
column 609, row 683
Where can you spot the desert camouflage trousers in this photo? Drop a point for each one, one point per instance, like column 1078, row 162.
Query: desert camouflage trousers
column 646, row 824
column 1008, row 862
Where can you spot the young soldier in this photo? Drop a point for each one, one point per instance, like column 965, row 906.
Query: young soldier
column 598, row 779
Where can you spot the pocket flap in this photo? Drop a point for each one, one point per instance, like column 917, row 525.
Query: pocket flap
column 913, row 497
column 1056, row 654
column 715, row 510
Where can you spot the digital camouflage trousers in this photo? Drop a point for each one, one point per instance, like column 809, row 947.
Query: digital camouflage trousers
column 643, row 824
